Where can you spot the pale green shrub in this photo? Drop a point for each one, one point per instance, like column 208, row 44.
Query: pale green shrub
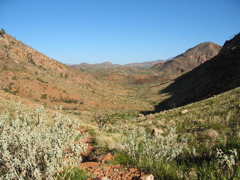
column 147, row 149
column 30, row 148
column 227, row 161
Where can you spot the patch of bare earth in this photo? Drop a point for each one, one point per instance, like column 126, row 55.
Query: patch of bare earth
column 100, row 168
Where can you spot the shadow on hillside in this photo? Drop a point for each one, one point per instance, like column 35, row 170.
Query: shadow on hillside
column 218, row 75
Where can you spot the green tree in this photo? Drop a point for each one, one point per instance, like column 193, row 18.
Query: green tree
column 2, row 32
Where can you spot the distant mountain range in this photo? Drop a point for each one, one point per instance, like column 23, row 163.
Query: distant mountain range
column 179, row 64
column 144, row 65
column 159, row 70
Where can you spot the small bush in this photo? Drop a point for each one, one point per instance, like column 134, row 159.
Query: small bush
column 44, row 96
column 42, row 81
column 102, row 119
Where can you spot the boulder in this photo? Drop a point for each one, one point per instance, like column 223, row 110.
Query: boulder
column 157, row 132
column 147, row 177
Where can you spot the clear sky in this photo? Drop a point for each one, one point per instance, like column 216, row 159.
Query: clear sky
column 119, row 31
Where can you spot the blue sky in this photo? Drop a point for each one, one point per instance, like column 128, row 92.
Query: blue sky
column 119, row 31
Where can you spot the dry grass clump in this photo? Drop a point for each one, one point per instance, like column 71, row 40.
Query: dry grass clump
column 111, row 141
column 211, row 134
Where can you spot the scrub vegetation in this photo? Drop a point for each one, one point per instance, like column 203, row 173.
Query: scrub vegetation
column 171, row 121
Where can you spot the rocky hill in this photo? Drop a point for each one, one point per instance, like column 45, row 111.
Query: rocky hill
column 38, row 78
column 190, row 59
column 217, row 75
column 174, row 67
